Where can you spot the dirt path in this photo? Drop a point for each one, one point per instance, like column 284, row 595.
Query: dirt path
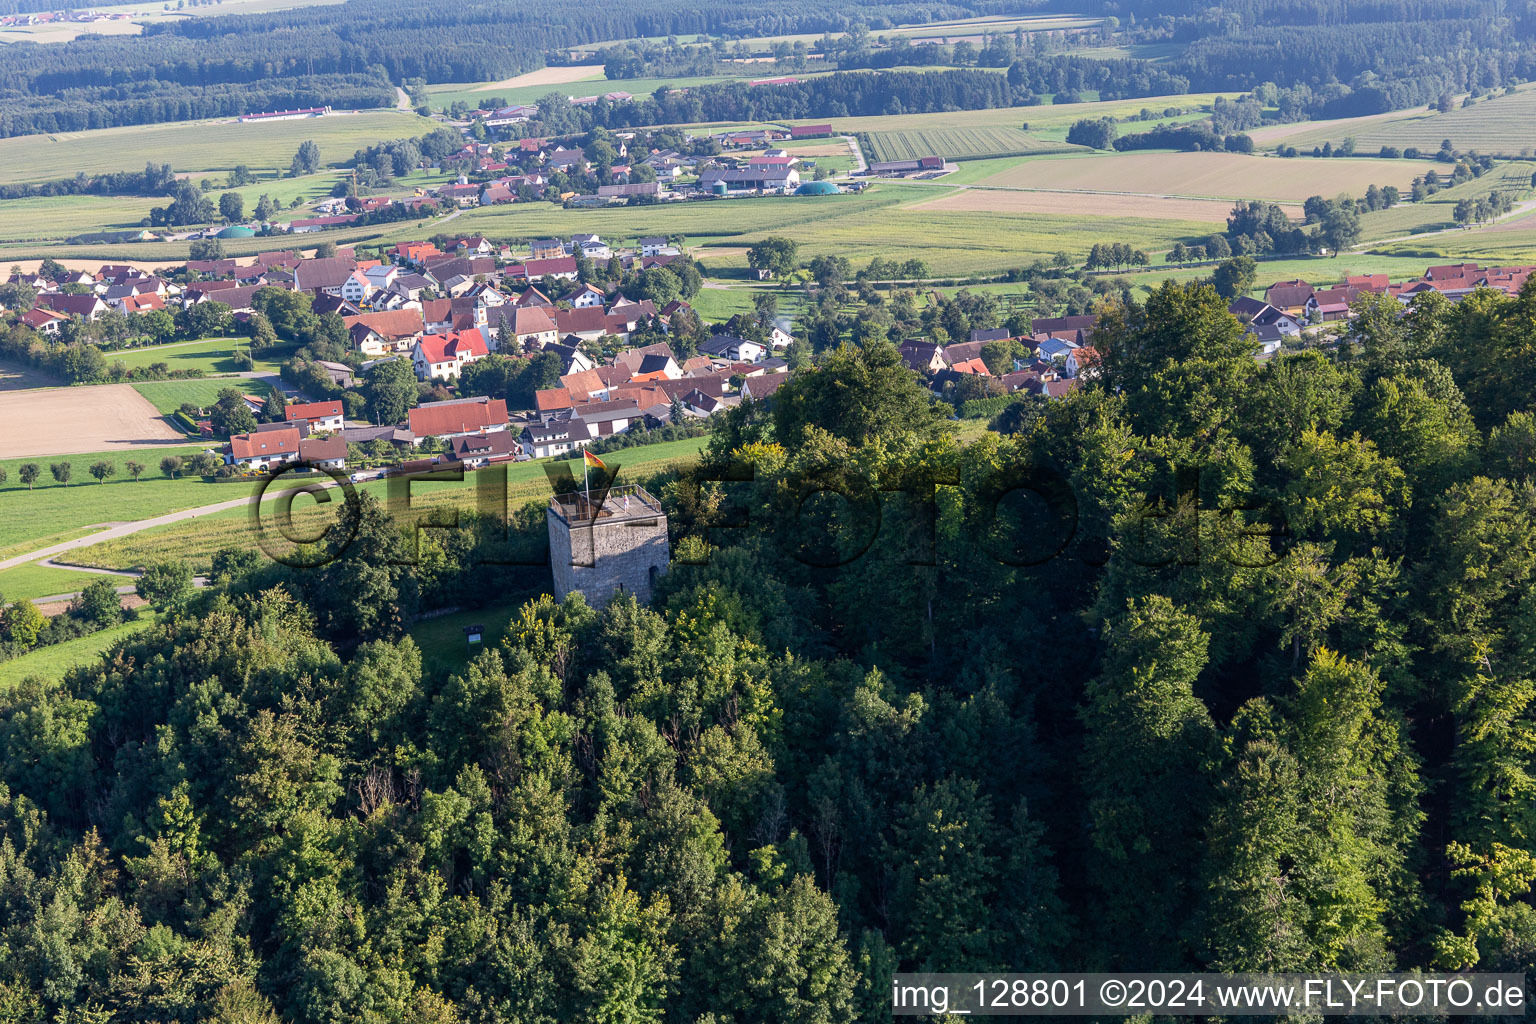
column 402, row 99
column 138, row 526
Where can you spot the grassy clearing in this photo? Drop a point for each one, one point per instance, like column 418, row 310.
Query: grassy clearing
column 1503, row 126
column 956, row 144
column 444, row 647
column 53, row 662
column 52, row 508
column 199, row 145
column 168, row 395
column 196, row 541
column 1435, row 213
column 719, row 304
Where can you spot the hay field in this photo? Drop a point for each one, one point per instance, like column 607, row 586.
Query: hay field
column 546, row 76
column 1087, row 204
column 1503, row 126
column 1208, row 175
column 957, row 144
column 199, row 145
column 66, row 421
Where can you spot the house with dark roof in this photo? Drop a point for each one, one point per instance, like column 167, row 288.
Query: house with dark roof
column 1290, row 297
column 323, row 276
column 1059, row 326
column 732, row 348
column 86, row 307
column 484, row 449
column 324, row 452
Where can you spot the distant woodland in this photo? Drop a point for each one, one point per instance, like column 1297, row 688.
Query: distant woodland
column 1326, row 59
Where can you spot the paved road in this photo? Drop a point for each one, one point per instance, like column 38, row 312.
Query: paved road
column 858, row 154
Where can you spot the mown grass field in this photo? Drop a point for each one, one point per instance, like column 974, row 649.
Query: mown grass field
column 196, row 541
column 956, row 144
column 199, row 146
column 52, row 508
column 1436, row 212
column 28, row 582
column 168, row 395
column 1208, row 175
column 1503, row 126
column 211, row 355
column 475, row 94
column 53, row 662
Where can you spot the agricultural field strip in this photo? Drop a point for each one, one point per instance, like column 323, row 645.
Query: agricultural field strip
column 668, row 455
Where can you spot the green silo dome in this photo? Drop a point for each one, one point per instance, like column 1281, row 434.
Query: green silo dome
column 236, row 231
column 817, row 188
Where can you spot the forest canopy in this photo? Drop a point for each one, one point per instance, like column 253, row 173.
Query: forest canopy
column 1086, row 693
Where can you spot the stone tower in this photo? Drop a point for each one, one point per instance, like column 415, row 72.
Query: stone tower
column 615, row 540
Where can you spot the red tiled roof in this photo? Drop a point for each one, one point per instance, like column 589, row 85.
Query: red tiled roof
column 440, row 418
column 264, row 443
column 311, row 411
column 390, row 323
column 550, row 399
column 444, row 348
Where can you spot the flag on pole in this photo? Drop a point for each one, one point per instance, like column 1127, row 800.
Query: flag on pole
column 588, row 460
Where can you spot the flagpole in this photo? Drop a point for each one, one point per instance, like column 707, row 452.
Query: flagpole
column 585, row 483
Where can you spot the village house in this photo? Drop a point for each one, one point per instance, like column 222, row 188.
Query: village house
column 531, row 326
column 458, row 418
column 86, row 307
column 443, row 356
column 44, row 321
column 322, row 417
column 377, row 334
column 555, row 437
column 1290, row 297
column 261, row 450
column 474, row 450
column 727, row 346
column 323, row 452
column 323, row 276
